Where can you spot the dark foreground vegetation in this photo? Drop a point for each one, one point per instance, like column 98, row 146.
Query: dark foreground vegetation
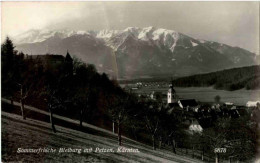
column 68, row 87
column 231, row 79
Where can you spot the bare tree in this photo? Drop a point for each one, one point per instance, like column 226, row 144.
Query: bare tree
column 81, row 100
column 215, row 137
column 118, row 109
column 53, row 102
column 23, row 95
column 217, row 99
column 152, row 120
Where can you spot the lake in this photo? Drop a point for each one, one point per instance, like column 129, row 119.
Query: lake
column 207, row 94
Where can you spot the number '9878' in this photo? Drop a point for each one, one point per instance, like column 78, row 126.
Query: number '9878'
column 220, row 150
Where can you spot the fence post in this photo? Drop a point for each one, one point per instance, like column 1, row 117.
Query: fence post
column 192, row 151
column 216, row 157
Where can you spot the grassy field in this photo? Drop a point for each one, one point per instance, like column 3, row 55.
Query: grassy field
column 34, row 134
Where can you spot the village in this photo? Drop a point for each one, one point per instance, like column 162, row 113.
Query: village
column 197, row 114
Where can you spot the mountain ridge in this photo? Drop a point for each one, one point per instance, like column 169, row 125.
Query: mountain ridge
column 138, row 51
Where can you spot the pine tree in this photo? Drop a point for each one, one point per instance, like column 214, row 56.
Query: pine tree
column 8, row 67
column 68, row 64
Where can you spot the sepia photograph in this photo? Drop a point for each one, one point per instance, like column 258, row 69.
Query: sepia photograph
column 130, row 81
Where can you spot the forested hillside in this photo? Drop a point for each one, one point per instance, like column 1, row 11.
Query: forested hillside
column 231, row 79
column 68, row 87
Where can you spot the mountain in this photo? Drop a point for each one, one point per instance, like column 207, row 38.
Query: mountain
column 138, row 52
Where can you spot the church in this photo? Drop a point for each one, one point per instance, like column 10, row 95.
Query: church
column 185, row 104
column 171, row 95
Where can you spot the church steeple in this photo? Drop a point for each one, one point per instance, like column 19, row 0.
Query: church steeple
column 171, row 95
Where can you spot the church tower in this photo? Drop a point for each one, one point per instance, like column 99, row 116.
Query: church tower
column 171, row 95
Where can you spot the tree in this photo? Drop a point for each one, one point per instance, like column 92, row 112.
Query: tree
column 23, row 95
column 51, row 93
column 217, row 99
column 158, row 96
column 258, row 106
column 215, row 136
column 81, row 100
column 171, row 128
column 8, row 67
column 134, row 118
column 8, row 52
column 119, row 107
column 26, row 80
column 17, row 74
column 68, row 64
column 152, row 119
column 53, row 103
column 83, row 92
column 242, row 138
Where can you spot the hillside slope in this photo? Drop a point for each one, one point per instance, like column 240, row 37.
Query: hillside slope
column 34, row 134
column 231, row 79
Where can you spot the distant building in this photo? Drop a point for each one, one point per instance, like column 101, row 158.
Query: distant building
column 188, row 104
column 173, row 107
column 152, row 96
column 195, row 127
column 53, row 62
column 252, row 103
column 229, row 103
column 48, row 60
column 215, row 106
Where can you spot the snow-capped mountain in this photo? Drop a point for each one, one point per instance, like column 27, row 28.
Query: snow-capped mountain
column 34, row 36
column 135, row 52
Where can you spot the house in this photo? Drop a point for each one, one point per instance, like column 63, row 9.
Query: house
column 189, row 104
column 152, row 96
column 173, row 107
column 228, row 103
column 48, row 60
column 252, row 103
column 195, row 127
column 215, row 106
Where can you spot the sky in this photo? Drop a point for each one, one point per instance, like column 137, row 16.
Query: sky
column 232, row 23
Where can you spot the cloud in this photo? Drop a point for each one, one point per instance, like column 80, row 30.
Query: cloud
column 233, row 23
column 18, row 17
